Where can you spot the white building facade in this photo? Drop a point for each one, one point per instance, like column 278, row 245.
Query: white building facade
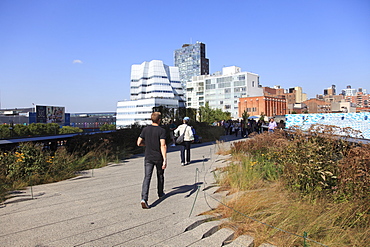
column 223, row 90
column 153, row 84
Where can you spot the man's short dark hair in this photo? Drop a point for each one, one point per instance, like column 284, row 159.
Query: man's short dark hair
column 156, row 117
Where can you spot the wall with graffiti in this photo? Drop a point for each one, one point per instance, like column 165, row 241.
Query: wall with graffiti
column 358, row 121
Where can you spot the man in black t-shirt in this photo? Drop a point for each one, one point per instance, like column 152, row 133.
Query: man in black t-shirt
column 153, row 137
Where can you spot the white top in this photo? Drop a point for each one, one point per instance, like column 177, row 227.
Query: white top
column 188, row 134
column 272, row 125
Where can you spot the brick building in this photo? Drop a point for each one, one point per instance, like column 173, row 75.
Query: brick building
column 360, row 100
column 269, row 106
column 317, row 106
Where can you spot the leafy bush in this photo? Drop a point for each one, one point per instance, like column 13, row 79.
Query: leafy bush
column 315, row 163
column 105, row 127
column 69, row 130
column 207, row 132
column 28, row 160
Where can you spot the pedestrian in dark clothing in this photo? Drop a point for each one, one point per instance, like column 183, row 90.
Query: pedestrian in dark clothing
column 226, row 126
column 153, row 137
column 242, row 128
column 253, row 125
column 259, row 126
column 172, row 128
column 281, row 124
column 249, row 127
column 236, row 128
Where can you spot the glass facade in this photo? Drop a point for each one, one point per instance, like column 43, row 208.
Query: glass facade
column 223, row 90
column 191, row 61
column 153, row 84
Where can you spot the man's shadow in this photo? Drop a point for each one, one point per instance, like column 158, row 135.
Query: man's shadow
column 199, row 161
column 178, row 190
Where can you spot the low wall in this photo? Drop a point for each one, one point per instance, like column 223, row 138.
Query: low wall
column 357, row 121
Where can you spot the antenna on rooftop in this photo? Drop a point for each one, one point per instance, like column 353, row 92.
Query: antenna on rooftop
column 191, row 40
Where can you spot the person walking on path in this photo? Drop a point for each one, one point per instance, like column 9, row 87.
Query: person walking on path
column 188, row 139
column 153, row 137
column 172, row 128
column 272, row 125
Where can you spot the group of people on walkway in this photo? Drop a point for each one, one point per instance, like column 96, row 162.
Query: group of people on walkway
column 242, row 127
column 153, row 137
column 246, row 127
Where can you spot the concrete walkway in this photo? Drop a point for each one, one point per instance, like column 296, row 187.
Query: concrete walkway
column 102, row 207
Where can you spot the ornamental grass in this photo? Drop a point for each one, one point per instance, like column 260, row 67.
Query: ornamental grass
column 296, row 182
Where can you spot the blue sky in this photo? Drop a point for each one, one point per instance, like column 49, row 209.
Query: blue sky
column 79, row 53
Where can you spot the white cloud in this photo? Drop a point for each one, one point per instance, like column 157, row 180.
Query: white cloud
column 77, row 61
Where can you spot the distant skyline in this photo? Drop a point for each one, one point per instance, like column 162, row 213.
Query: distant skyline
column 78, row 53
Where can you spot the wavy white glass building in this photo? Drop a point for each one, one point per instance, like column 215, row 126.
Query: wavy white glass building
column 153, row 84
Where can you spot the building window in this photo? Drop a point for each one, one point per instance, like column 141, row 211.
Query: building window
column 253, row 84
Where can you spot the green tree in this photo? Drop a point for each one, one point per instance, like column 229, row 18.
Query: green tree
column 221, row 115
column 209, row 115
column 21, row 130
column 4, row 131
column 69, row 130
column 205, row 113
column 262, row 117
column 37, row 129
column 105, row 127
column 165, row 111
column 181, row 113
column 191, row 113
column 245, row 115
column 52, row 128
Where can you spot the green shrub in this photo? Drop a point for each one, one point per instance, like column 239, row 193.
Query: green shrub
column 316, row 163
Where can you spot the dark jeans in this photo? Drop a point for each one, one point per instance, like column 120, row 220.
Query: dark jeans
column 149, row 166
column 185, row 146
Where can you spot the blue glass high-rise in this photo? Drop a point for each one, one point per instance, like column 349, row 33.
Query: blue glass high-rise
column 191, row 61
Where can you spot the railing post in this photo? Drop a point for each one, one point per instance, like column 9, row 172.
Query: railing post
column 194, row 200
column 304, row 239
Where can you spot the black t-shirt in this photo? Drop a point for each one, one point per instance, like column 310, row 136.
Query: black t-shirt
column 152, row 135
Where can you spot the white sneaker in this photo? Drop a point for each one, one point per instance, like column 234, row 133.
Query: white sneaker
column 173, row 145
column 182, row 164
column 144, row 204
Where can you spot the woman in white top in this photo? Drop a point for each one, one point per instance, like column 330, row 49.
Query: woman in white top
column 188, row 139
column 272, row 125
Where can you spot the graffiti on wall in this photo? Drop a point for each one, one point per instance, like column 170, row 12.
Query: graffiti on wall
column 357, row 121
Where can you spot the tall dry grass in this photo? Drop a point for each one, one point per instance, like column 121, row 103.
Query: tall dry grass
column 325, row 222
column 319, row 185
